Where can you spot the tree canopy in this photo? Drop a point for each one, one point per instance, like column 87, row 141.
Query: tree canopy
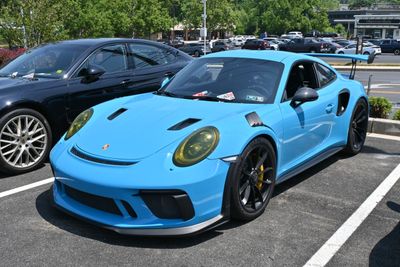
column 50, row 20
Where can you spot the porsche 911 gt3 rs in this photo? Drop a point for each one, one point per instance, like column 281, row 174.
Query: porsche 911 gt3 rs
column 210, row 145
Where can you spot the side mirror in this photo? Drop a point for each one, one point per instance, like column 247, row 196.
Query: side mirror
column 302, row 95
column 92, row 73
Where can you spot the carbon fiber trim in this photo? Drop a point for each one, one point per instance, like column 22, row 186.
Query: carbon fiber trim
column 84, row 156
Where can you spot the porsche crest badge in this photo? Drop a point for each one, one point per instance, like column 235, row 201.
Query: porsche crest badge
column 105, row 147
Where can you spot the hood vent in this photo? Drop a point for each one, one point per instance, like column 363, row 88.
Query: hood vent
column 116, row 113
column 183, row 124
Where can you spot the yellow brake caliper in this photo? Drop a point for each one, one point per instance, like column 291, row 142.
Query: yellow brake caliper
column 260, row 178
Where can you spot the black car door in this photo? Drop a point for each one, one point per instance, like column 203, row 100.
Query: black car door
column 113, row 83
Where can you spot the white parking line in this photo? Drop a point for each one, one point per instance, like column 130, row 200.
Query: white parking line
column 26, row 187
column 331, row 247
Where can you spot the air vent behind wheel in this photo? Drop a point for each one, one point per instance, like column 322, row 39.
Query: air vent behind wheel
column 183, row 124
column 116, row 113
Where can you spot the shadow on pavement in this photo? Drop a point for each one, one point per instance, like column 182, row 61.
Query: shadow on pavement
column 387, row 251
column 373, row 150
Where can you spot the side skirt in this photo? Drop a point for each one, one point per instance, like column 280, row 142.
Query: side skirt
column 308, row 164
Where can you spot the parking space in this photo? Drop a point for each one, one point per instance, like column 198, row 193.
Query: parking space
column 303, row 214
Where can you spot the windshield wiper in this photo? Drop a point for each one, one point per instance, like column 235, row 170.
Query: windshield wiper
column 166, row 93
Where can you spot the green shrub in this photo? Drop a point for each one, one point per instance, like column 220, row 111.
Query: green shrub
column 380, row 107
column 397, row 115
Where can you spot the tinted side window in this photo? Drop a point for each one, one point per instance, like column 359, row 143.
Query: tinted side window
column 325, row 75
column 147, row 55
column 112, row 58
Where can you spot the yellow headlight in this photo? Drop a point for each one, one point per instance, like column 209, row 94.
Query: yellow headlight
column 79, row 122
column 196, row 147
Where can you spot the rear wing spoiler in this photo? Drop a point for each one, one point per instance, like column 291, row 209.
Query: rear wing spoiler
column 354, row 58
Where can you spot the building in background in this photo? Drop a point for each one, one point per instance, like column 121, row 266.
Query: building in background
column 378, row 21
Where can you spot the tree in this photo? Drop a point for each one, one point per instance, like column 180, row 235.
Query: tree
column 31, row 22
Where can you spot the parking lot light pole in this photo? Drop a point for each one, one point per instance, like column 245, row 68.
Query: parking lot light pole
column 204, row 29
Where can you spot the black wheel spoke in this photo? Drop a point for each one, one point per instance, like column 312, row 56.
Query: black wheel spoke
column 261, row 160
column 259, row 194
column 359, row 136
column 253, row 197
column 359, row 115
column 360, row 120
column 244, row 187
column 267, row 170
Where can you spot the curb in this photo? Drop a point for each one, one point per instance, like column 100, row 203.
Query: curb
column 384, row 126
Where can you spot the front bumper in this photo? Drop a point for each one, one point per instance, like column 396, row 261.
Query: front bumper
column 112, row 196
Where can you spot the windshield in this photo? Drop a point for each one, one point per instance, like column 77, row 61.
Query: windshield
column 240, row 80
column 49, row 61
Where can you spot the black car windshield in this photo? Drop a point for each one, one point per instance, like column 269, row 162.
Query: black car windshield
column 240, row 80
column 49, row 61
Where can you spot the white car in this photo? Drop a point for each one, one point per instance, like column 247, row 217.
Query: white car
column 367, row 50
column 238, row 40
column 296, row 34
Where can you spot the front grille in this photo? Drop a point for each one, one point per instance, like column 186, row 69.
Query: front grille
column 84, row 156
column 93, row 201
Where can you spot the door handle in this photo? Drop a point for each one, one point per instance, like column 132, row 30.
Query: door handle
column 329, row 108
column 125, row 81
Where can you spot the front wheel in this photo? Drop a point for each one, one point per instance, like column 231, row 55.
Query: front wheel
column 397, row 52
column 253, row 180
column 341, row 52
column 357, row 128
column 366, row 53
column 25, row 141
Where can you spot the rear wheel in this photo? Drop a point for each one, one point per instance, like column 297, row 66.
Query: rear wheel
column 341, row 52
column 357, row 128
column 253, row 177
column 366, row 53
column 25, row 141
column 397, row 52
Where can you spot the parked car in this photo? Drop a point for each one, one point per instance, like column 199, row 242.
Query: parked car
column 222, row 45
column 295, row 34
column 238, row 40
column 44, row 89
column 256, row 44
column 390, row 46
column 367, row 50
column 274, row 44
column 210, row 145
column 195, row 49
column 305, row 45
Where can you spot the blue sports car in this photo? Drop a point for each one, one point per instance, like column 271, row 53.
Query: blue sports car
column 210, row 145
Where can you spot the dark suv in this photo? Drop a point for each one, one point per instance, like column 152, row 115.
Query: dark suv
column 256, row 44
column 305, row 45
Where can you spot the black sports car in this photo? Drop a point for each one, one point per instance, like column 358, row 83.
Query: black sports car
column 44, row 89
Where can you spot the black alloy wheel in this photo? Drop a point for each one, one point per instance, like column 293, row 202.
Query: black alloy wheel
column 357, row 128
column 253, row 180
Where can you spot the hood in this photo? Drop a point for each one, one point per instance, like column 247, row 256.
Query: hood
column 143, row 124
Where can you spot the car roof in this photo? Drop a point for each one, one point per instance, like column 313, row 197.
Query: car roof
column 277, row 56
column 98, row 41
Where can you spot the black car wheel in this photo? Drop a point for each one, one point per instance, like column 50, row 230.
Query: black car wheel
column 253, row 180
column 366, row 53
column 313, row 51
column 25, row 141
column 197, row 53
column 397, row 52
column 341, row 52
column 357, row 128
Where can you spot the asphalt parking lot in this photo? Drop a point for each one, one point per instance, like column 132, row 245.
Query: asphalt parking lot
column 303, row 214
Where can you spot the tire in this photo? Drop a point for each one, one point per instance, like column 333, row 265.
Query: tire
column 358, row 126
column 25, row 141
column 252, row 187
column 272, row 48
column 313, row 51
column 341, row 52
column 196, row 53
column 366, row 53
column 397, row 52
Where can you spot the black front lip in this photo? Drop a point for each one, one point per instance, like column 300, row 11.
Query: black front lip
column 161, row 232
